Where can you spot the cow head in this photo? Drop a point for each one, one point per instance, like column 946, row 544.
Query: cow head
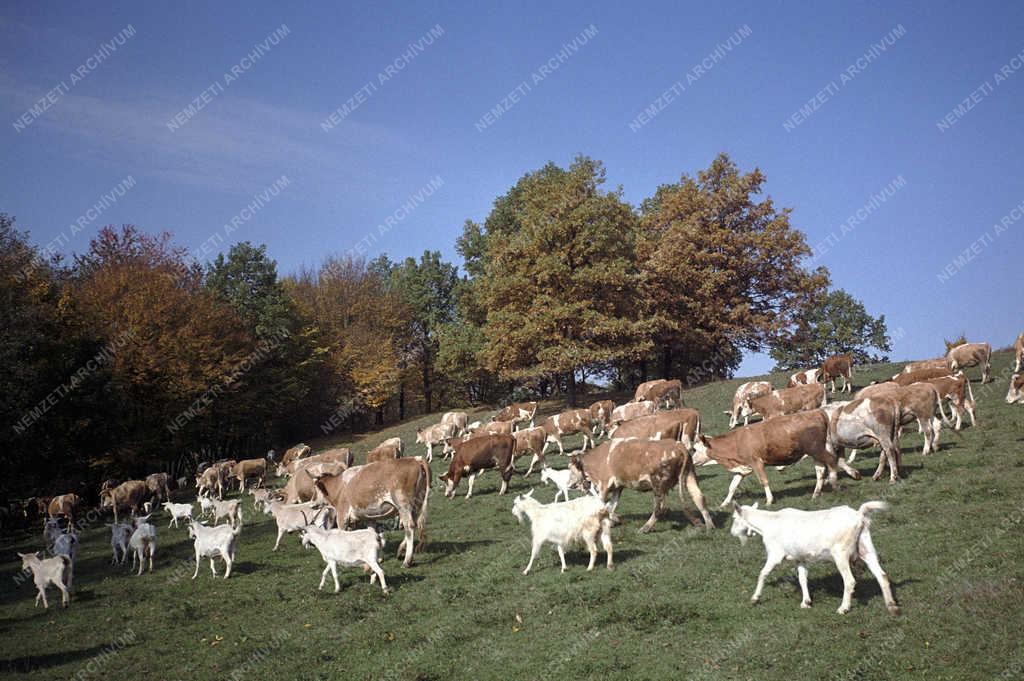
column 701, row 450
column 741, row 529
column 577, row 475
column 449, row 484
column 1016, row 392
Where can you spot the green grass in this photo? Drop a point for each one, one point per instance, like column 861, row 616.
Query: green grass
column 676, row 606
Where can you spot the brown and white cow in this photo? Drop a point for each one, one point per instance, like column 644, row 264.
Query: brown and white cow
column 789, row 400
column 458, row 419
column 1018, row 352
column 389, row 449
column 434, row 435
column 920, row 375
column 250, row 468
column 129, row 494
column 805, row 377
column 667, row 393
column 681, row 425
column 531, row 440
column 918, row 402
column 865, row 422
column 643, row 465
column 779, row 442
column 956, row 389
column 741, row 400
column 297, row 452
column 518, row 412
column 301, row 487
column 969, row 355
column 64, row 505
column 836, row 366
column 495, row 428
column 568, row 423
column 209, row 480
column 920, row 365
column 601, row 414
column 377, row 491
column 633, row 410
column 478, row 454
column 1016, row 391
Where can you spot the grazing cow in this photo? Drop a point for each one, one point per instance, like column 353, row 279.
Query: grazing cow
column 380, row 490
column 633, row 410
column 681, row 425
column 531, row 440
column 779, row 442
column 567, row 423
column 956, row 389
column 434, row 435
column 601, row 414
column 1018, row 352
column 65, row 506
column 457, row 419
column 349, row 548
column 518, row 412
column 297, row 452
column 920, row 375
column 129, row 494
column 1016, row 391
column 657, row 389
column 918, row 402
column 805, row 377
column 839, row 533
column 301, row 487
column 741, row 400
column 969, row 355
column 158, row 485
column 340, row 455
column 865, row 422
column 836, row 366
column 642, row 465
column 495, row 428
column 209, row 480
column 389, row 449
column 479, row 454
column 563, row 524
column 920, row 365
column 45, row 572
column 789, row 400
column 250, row 468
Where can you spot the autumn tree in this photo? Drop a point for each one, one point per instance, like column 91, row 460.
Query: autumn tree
column 721, row 270
column 833, row 323
column 556, row 279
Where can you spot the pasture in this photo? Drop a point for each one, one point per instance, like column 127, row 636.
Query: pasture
column 676, row 605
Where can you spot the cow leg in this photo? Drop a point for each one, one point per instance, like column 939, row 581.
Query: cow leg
column 819, row 480
column 561, row 449
column 409, row 523
column 762, row 477
column 801, row 573
column 689, row 478
column 736, row 480
column 472, row 479
column 612, row 501
column 868, row 554
column 925, row 426
column 659, row 503
column 504, row 481
column 843, row 564
column 534, row 461
column 772, row 560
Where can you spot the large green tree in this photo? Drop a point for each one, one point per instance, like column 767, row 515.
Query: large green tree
column 834, row 323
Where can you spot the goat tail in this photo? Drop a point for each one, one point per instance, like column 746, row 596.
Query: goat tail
column 869, row 506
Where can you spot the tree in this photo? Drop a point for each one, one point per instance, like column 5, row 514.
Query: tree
column 721, row 270
column 557, row 283
column 835, row 323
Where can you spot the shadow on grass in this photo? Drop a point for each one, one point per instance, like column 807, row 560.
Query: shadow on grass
column 29, row 663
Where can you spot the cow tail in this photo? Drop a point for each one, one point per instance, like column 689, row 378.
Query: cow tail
column 947, row 421
column 970, row 393
column 420, row 514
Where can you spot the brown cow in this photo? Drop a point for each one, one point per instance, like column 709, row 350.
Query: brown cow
column 64, row 505
column 666, row 394
column 645, row 390
column 601, row 414
column 865, row 422
column 1018, row 352
column 495, row 428
column 836, row 366
column 956, row 389
column 297, row 452
column 518, row 412
column 379, row 490
column 643, row 465
column 969, row 355
column 741, row 400
column 434, row 435
column 919, row 375
column 937, row 363
column 479, row 454
column 531, row 440
column 1016, row 391
column 250, row 468
column 129, row 494
column 389, row 449
column 158, row 486
column 301, row 487
column 457, row 419
column 681, row 425
column 780, row 442
column 212, row 478
column 918, row 402
column 567, row 423
column 805, row 377
column 789, row 400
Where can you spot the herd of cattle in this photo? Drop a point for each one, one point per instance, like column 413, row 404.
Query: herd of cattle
column 652, row 443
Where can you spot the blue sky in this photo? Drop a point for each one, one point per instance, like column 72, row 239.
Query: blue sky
column 877, row 119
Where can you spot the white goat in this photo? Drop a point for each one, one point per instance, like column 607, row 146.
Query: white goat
column 232, row 510
column 67, row 545
column 839, row 533
column 349, row 548
column 178, row 512
column 143, row 542
column 564, row 524
column 261, row 497
column 292, row 517
column 120, row 533
column 560, row 478
column 211, row 542
column 45, row 572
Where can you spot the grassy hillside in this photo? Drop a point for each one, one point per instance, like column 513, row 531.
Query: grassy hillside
column 677, row 604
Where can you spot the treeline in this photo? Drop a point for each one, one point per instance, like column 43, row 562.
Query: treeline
column 133, row 357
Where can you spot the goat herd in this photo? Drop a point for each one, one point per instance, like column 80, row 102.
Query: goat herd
column 652, row 443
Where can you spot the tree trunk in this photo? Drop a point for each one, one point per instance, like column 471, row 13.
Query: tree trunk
column 666, row 362
column 427, row 396
column 572, row 388
column 380, row 417
column 401, row 402
column 642, row 366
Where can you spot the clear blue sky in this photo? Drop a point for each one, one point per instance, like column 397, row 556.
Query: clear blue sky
column 879, row 123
